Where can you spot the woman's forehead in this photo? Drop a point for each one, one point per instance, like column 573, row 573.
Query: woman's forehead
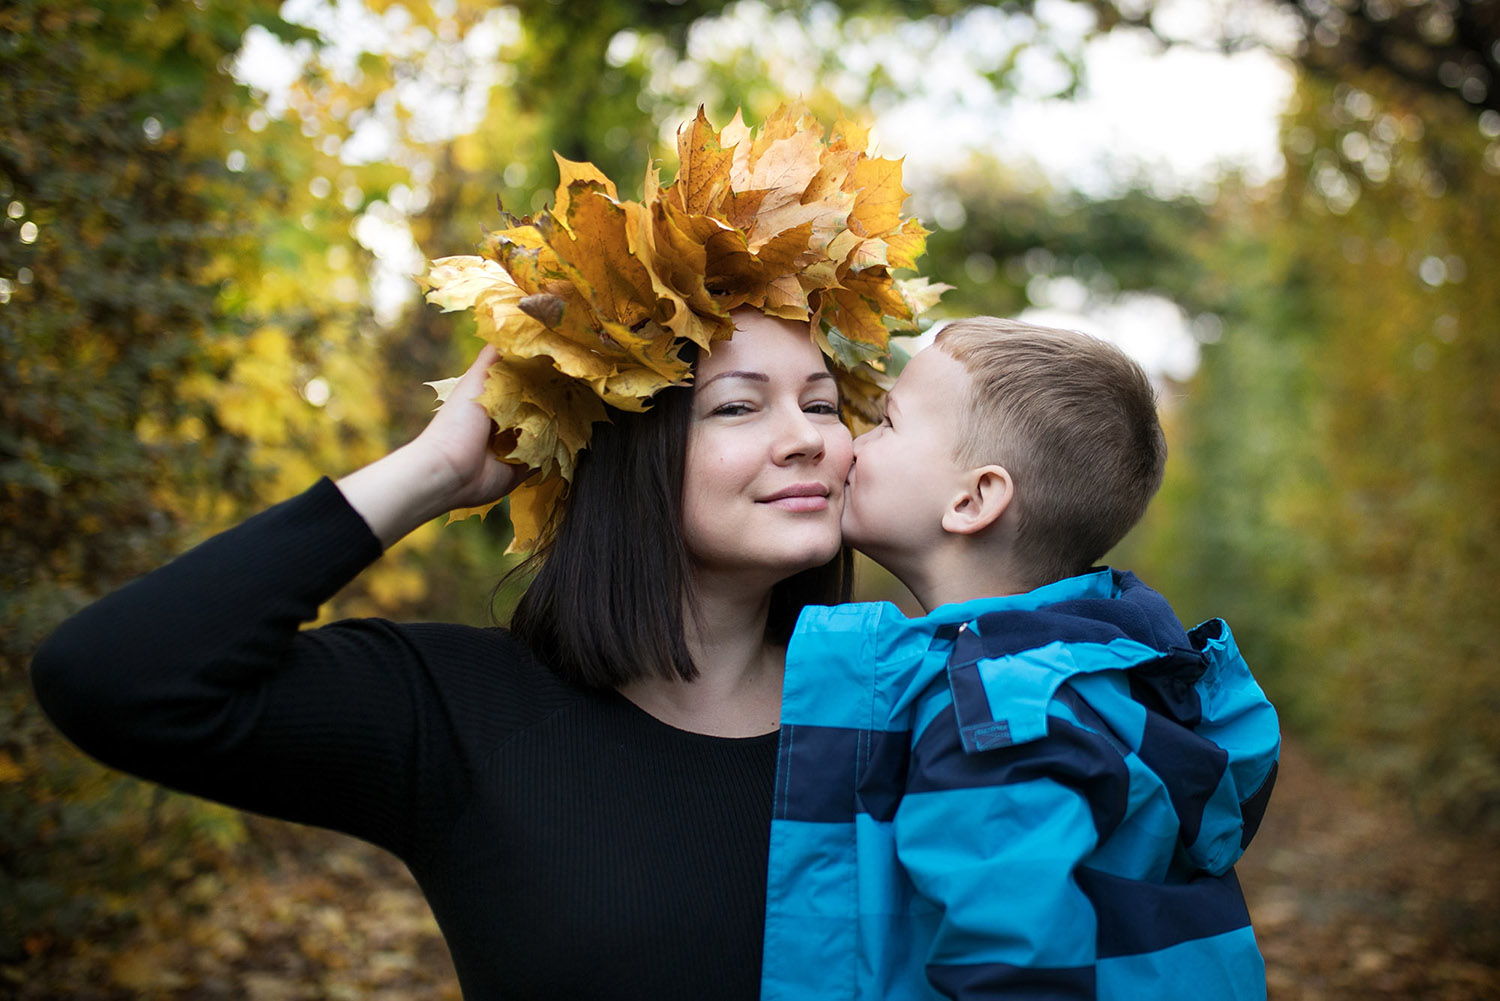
column 761, row 344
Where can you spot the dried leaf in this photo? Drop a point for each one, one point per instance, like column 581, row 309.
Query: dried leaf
column 544, row 307
column 920, row 294
column 704, row 173
column 455, row 282
column 904, row 246
column 531, row 505
column 878, row 196
column 574, row 178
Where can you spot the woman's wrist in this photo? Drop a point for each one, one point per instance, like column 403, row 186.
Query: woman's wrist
column 400, row 492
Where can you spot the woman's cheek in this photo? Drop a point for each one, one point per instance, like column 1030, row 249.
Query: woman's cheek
column 841, row 448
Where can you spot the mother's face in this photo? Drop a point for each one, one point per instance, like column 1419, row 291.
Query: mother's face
column 763, row 480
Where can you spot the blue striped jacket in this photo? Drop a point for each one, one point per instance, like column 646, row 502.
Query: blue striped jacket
column 1035, row 796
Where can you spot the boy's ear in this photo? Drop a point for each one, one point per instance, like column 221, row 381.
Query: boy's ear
column 987, row 492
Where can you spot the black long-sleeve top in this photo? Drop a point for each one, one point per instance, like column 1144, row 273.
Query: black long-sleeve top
column 570, row 845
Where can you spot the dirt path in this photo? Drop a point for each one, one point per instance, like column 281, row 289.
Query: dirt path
column 1348, row 902
column 1353, row 900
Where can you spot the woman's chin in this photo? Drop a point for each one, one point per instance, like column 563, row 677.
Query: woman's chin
column 772, row 564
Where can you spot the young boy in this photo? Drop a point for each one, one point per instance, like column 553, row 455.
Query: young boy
column 1039, row 789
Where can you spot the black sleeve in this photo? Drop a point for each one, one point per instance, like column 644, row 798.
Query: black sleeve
column 199, row 677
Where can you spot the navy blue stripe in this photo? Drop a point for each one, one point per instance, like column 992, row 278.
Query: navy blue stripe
column 1205, row 633
column 1087, row 716
column 784, row 747
column 1136, row 613
column 1167, row 685
column 1137, row 917
column 1078, row 758
column 1003, row 980
column 1188, row 765
column 972, row 709
column 816, row 773
column 1000, row 634
column 882, row 773
column 1150, row 620
column 1253, row 809
column 826, row 773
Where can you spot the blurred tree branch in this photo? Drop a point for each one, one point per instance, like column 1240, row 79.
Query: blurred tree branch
column 1445, row 47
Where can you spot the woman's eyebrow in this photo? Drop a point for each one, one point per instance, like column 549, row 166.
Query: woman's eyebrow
column 753, row 376
column 758, row 377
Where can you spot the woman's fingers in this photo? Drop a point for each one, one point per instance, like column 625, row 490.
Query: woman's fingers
column 471, row 384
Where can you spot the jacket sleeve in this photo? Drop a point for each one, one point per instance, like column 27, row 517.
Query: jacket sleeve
column 992, row 839
column 198, row 676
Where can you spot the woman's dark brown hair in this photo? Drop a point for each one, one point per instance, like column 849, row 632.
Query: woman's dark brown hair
column 613, row 576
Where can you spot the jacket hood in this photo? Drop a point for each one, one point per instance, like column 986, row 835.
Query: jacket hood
column 1204, row 725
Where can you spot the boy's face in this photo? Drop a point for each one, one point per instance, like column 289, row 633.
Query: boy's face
column 905, row 470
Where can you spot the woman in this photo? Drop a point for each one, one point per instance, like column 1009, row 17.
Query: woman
column 585, row 799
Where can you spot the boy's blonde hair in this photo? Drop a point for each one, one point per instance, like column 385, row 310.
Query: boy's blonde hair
column 1074, row 421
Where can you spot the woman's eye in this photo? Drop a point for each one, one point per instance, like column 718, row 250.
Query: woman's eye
column 823, row 407
column 731, row 410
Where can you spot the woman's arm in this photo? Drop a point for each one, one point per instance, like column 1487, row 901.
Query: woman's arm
column 199, row 675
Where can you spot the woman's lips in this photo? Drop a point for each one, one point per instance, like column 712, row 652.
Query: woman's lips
column 800, row 497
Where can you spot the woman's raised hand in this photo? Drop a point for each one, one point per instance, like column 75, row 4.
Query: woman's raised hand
column 460, row 434
column 449, row 465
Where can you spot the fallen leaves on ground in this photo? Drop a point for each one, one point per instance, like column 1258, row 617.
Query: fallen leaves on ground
column 1352, row 901
column 326, row 918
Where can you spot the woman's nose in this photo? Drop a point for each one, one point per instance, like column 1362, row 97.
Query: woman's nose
column 800, row 438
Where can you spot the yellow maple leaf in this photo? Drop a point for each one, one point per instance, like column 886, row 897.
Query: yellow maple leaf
column 541, row 405
column 574, row 177
column 862, row 391
column 783, row 169
column 455, row 282
column 703, row 174
column 531, row 506
column 786, row 298
column 518, row 335
column 904, row 246
column 878, row 196
column 676, row 266
column 737, row 135
column 612, row 279
column 502, row 318
column 849, row 135
column 631, row 388
column 920, row 294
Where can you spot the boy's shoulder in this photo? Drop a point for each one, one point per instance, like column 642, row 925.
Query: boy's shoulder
column 1104, row 636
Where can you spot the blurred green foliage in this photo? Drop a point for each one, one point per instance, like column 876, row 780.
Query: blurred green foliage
column 188, row 331
column 1338, row 456
column 116, row 207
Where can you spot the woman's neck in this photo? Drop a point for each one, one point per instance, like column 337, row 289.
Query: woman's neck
column 738, row 689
